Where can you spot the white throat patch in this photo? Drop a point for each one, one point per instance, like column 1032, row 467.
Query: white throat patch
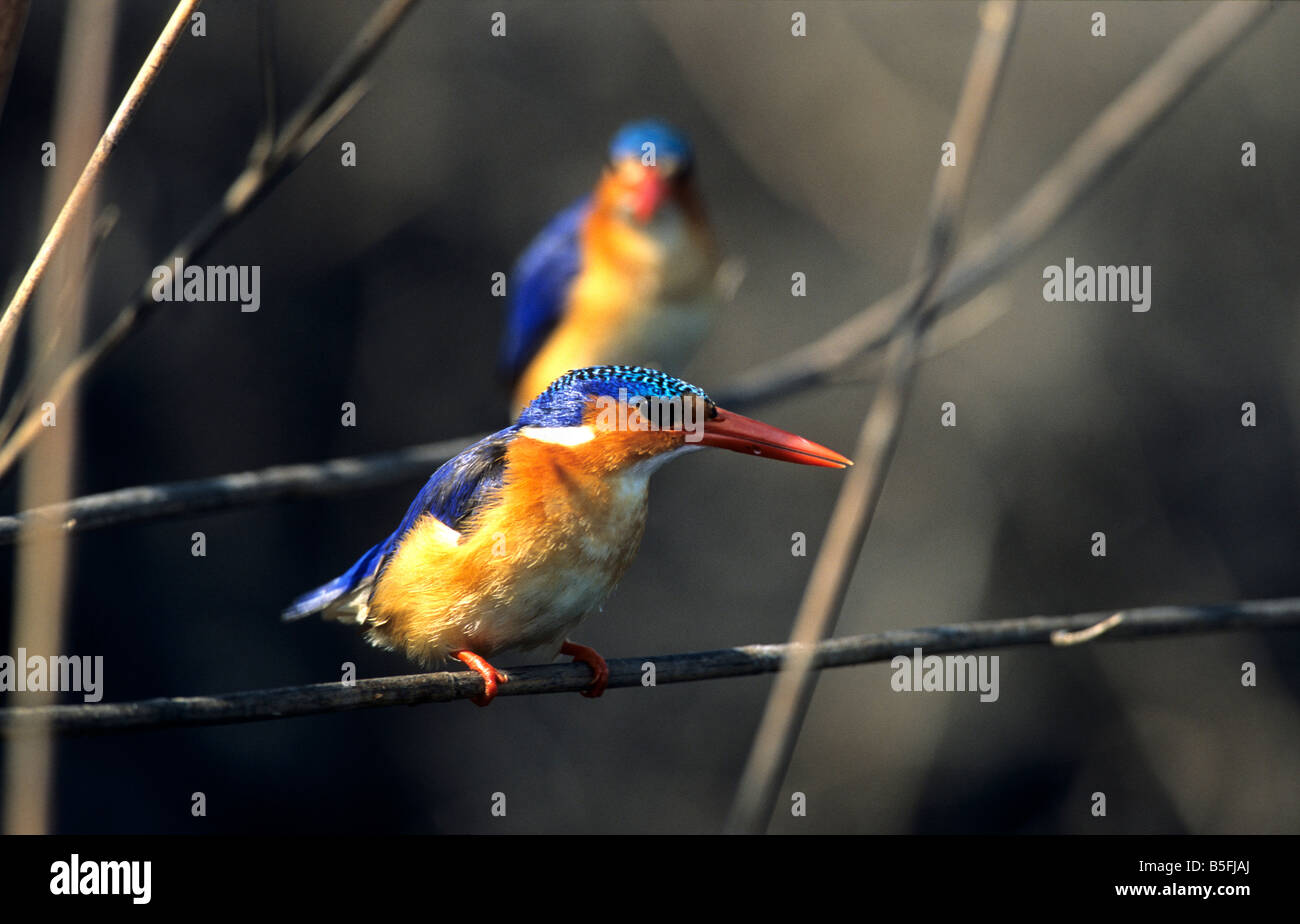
column 560, row 436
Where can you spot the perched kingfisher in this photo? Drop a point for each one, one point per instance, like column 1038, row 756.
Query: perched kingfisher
column 628, row 274
column 517, row 540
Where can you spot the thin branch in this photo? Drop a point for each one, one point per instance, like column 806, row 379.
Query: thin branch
column 236, row 489
column 946, row 333
column 744, row 661
column 91, row 173
column 13, row 18
column 792, row 692
column 1093, row 157
column 339, row 90
column 74, row 285
column 270, row 86
column 1063, row 637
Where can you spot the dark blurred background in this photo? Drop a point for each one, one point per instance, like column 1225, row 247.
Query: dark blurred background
column 815, row 155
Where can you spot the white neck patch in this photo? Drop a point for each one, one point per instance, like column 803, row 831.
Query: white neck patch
column 560, row 436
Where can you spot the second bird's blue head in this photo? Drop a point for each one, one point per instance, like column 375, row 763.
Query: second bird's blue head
column 650, row 164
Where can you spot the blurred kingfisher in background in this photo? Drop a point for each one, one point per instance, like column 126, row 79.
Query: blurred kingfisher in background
column 628, row 274
column 517, row 540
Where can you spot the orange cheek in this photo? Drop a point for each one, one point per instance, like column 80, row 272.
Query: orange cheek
column 620, row 449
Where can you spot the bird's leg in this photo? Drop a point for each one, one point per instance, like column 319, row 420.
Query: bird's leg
column 491, row 676
column 589, row 657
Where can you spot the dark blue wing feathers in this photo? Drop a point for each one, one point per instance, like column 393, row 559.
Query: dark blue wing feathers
column 456, row 490
column 453, row 494
column 539, row 286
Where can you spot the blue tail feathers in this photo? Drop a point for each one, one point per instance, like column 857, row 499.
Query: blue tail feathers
column 321, row 598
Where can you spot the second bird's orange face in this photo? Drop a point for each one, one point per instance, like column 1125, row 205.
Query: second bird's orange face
column 633, row 190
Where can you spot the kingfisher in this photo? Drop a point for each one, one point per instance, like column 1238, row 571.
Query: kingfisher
column 628, row 274
column 519, row 538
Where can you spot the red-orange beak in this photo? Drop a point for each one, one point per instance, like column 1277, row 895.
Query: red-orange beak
column 741, row 434
column 650, row 191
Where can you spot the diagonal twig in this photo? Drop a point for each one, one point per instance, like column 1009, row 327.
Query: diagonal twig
column 13, row 18
column 91, row 173
column 73, row 286
column 792, row 692
column 1092, row 158
column 743, row 661
column 338, row 91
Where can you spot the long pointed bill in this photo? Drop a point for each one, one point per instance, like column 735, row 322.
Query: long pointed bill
column 741, row 434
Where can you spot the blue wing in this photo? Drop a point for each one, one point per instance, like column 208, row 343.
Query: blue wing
column 454, row 493
column 538, row 287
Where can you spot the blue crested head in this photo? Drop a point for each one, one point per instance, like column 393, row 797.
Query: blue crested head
column 565, row 401
column 669, row 143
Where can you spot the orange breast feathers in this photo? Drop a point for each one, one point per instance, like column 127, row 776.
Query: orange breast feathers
column 529, row 568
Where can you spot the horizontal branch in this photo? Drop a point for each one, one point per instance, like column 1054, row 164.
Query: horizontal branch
column 178, row 498
column 314, row 699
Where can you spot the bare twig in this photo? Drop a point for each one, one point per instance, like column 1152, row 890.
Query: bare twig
column 947, row 332
column 49, row 342
column 13, row 18
column 744, row 661
column 1092, row 158
column 1063, row 637
column 792, row 692
column 270, row 88
column 126, row 110
column 239, row 488
column 338, row 91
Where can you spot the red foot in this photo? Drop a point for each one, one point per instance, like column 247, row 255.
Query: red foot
column 491, row 676
column 597, row 664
